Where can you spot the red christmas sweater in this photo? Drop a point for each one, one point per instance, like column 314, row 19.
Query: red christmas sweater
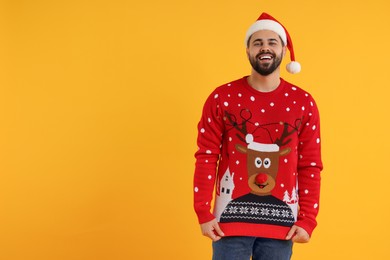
column 261, row 153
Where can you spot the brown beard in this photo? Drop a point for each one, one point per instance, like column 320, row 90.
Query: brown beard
column 265, row 70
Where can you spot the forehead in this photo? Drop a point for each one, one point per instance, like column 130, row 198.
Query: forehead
column 265, row 35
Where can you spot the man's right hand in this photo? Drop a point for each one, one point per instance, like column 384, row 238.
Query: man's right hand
column 211, row 229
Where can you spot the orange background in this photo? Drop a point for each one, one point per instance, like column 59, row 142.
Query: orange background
column 99, row 102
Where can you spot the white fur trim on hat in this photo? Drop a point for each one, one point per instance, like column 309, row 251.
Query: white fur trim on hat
column 263, row 147
column 266, row 25
column 260, row 146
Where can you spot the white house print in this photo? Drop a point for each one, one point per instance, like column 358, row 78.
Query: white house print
column 224, row 194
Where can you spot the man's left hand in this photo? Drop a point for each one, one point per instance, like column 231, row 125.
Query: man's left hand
column 298, row 235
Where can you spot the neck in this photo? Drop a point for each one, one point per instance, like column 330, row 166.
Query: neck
column 264, row 83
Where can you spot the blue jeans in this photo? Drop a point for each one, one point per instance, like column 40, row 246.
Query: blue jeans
column 242, row 248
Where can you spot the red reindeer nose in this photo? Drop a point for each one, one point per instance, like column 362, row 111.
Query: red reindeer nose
column 261, row 178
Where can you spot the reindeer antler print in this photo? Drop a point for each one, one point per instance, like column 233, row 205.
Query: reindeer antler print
column 241, row 127
column 246, row 116
column 281, row 140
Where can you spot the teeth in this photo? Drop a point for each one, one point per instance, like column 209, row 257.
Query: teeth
column 265, row 57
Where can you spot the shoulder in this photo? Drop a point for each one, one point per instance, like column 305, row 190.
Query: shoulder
column 294, row 89
column 230, row 86
column 298, row 93
column 227, row 90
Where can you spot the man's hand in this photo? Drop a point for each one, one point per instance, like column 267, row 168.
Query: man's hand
column 298, row 235
column 211, row 229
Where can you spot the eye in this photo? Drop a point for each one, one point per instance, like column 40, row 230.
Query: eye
column 258, row 162
column 267, row 163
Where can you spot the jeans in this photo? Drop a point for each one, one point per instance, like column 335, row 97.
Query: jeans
column 242, row 248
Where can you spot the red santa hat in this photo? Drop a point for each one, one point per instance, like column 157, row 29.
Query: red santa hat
column 267, row 22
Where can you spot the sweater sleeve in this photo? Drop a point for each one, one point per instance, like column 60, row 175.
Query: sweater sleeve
column 309, row 168
column 209, row 141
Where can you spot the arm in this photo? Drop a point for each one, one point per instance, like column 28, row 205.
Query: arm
column 309, row 168
column 210, row 130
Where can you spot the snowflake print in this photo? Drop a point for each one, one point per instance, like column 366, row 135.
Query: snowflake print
column 244, row 210
column 264, row 212
column 285, row 213
column 233, row 210
column 275, row 213
column 254, row 211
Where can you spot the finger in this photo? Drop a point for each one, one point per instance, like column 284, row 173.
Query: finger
column 291, row 233
column 301, row 236
column 216, row 238
column 218, row 230
column 213, row 236
column 297, row 239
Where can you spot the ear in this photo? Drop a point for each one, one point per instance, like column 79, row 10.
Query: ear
column 284, row 50
column 241, row 149
column 285, row 151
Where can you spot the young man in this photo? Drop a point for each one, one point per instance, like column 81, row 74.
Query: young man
column 259, row 147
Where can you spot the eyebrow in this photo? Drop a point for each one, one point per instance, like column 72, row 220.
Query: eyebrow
column 270, row 40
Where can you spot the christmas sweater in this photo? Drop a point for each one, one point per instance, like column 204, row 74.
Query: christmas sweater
column 261, row 153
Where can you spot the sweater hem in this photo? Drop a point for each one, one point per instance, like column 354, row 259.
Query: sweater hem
column 254, row 230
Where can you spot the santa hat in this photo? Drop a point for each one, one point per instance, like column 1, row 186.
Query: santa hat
column 260, row 146
column 267, row 22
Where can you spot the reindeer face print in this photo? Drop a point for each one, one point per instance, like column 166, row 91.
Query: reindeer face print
column 262, row 166
column 262, row 158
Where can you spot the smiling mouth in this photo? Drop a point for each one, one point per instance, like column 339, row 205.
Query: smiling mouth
column 261, row 186
column 265, row 57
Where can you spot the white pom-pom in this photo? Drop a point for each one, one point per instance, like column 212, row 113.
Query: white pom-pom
column 249, row 138
column 293, row 67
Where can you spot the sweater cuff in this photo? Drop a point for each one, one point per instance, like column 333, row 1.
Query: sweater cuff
column 204, row 217
column 307, row 225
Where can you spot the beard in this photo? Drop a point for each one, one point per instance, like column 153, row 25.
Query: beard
column 265, row 68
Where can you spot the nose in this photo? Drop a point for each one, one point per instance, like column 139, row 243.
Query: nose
column 264, row 48
column 261, row 178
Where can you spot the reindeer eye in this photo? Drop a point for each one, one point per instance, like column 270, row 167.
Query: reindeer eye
column 267, row 163
column 258, row 162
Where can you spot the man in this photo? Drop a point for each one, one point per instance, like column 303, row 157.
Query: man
column 259, row 148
